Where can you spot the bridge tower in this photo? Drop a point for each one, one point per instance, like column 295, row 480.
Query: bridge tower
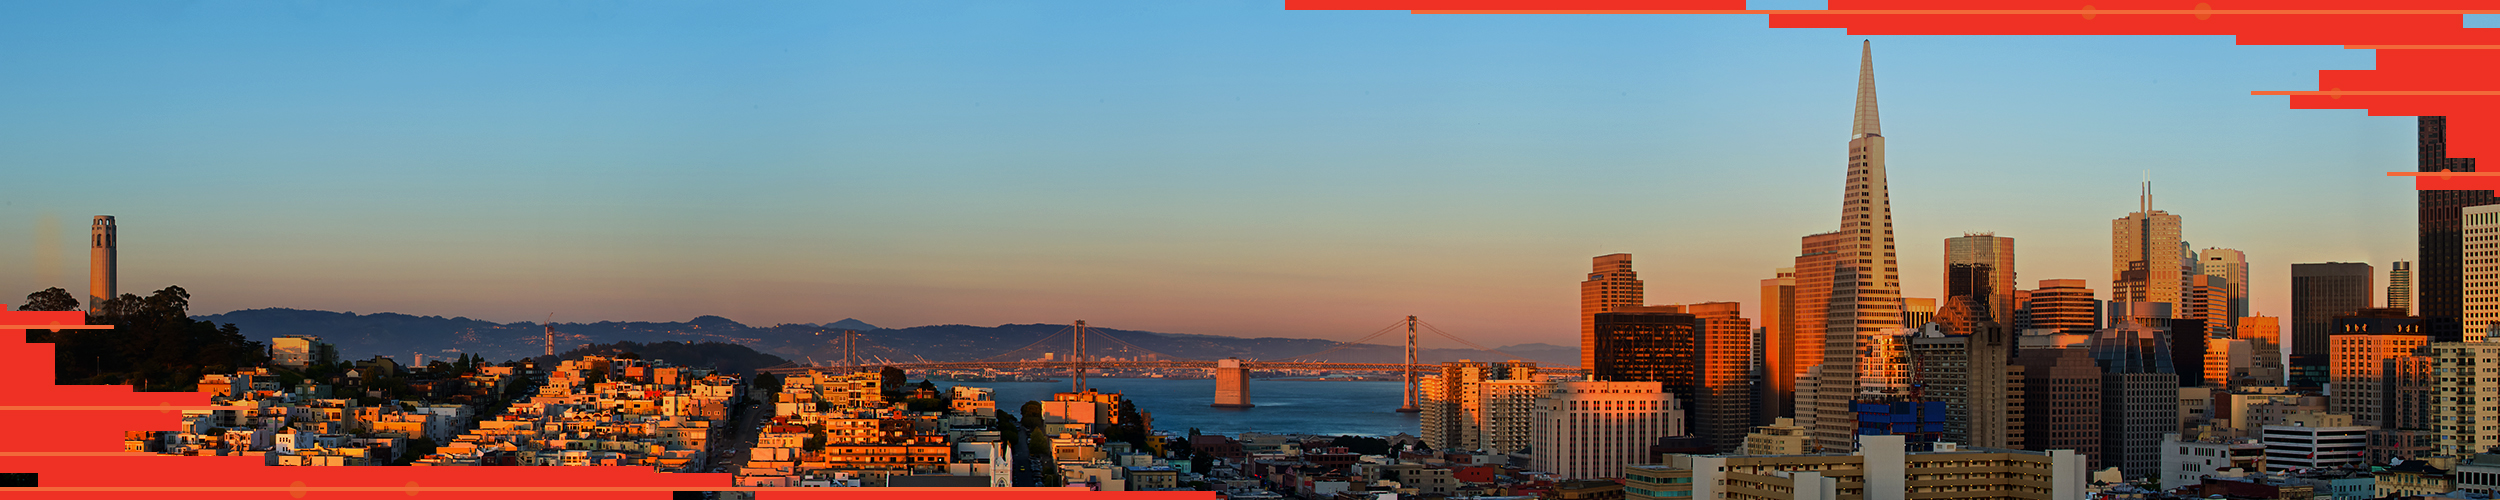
column 1232, row 384
column 1076, row 359
column 849, row 342
column 1410, row 368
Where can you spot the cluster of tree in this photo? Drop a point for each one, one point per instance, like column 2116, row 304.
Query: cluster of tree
column 1132, row 430
column 1182, row 451
column 722, row 357
column 154, row 343
column 1037, row 443
column 1362, row 445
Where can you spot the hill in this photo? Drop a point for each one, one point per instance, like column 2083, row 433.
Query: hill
column 365, row 335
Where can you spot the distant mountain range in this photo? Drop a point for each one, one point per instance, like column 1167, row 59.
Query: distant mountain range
column 361, row 336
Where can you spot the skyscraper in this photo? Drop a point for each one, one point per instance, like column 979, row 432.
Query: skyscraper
column 103, row 266
column 1611, row 284
column 2062, row 407
column 2145, row 255
column 2441, row 280
column 2139, row 395
column 2208, row 299
column 1721, row 408
column 2232, row 267
column 1782, row 357
column 1981, row 266
column 1963, row 364
column 1865, row 287
column 1645, row 344
column 2400, row 286
column 2320, row 292
column 2359, row 343
column 2478, row 236
column 2265, row 342
column 2065, row 305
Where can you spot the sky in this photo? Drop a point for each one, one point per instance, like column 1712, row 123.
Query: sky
column 1214, row 167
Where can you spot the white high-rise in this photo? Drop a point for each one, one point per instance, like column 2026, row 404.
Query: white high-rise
column 1593, row 429
column 2481, row 256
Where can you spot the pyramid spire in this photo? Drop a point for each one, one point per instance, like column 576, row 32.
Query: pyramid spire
column 1866, row 122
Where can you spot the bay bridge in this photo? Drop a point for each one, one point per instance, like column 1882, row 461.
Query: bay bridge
column 1079, row 364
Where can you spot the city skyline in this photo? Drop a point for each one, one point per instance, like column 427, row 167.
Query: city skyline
column 1463, row 197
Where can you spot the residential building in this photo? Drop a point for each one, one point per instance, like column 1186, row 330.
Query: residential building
column 1593, row 429
column 2479, row 240
column 1478, row 405
column 1782, row 437
column 2466, row 424
column 2413, row 479
column 1881, row 469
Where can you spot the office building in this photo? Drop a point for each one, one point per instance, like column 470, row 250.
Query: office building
column 2232, row 267
column 2186, row 462
column 2291, row 447
column 1981, row 266
column 2146, row 256
column 103, row 262
column 299, row 351
column 1611, row 284
column 2400, row 286
column 2209, row 301
column 1916, row 312
column 2439, row 241
column 1883, row 469
column 2465, row 424
column 1964, row 364
column 1587, row 430
column 2265, row 339
column 2480, row 237
column 1478, row 405
column 2140, row 391
column 1865, row 288
column 2065, row 305
column 1720, row 409
column 2357, row 351
column 1698, row 352
column 2319, row 293
column 2062, row 402
column 1783, row 355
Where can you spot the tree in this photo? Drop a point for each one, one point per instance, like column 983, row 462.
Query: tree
column 892, row 379
column 154, row 343
column 767, row 382
column 1032, row 411
column 50, row 299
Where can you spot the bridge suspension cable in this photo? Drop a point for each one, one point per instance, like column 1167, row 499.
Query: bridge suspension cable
column 1341, row 345
column 1045, row 338
column 1479, row 347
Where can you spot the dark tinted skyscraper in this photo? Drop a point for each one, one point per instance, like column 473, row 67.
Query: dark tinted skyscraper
column 2440, row 274
column 2320, row 292
column 1981, row 266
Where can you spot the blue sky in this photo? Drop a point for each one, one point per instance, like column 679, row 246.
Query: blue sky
column 1207, row 167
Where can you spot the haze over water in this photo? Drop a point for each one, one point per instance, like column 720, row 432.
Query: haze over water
column 1284, row 407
